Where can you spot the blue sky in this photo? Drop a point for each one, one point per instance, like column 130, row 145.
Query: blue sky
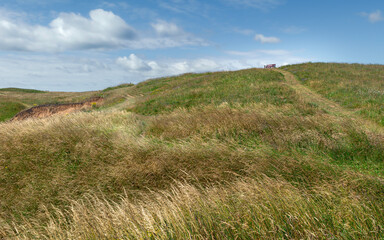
column 68, row 45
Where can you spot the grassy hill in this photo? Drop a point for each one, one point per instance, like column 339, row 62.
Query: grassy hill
column 247, row 154
column 354, row 86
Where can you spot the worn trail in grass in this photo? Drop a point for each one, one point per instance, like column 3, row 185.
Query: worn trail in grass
column 327, row 105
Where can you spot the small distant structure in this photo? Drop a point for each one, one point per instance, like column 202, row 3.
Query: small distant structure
column 270, row 66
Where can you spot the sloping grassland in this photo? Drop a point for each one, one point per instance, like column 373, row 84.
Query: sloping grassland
column 354, row 86
column 199, row 156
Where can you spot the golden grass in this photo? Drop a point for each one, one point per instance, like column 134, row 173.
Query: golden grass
column 246, row 209
column 271, row 167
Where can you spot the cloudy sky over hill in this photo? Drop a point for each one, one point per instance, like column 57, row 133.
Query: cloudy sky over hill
column 73, row 45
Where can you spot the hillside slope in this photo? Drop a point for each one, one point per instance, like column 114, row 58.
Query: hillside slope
column 243, row 154
column 359, row 88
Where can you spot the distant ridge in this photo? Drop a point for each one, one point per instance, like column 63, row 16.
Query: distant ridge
column 21, row 90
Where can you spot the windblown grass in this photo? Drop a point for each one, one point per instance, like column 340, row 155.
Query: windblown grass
column 245, row 209
column 252, row 161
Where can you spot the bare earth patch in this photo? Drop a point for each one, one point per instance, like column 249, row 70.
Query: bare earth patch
column 47, row 110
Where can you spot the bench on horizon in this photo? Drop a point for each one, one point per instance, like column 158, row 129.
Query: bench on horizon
column 270, row 66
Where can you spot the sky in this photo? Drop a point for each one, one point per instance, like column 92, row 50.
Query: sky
column 84, row 45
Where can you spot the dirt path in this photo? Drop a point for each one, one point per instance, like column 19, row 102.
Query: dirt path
column 129, row 101
column 326, row 104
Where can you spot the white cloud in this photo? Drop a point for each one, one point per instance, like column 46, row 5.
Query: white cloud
column 168, row 35
column 68, row 31
column 260, row 4
column 259, row 58
column 133, row 63
column 237, row 60
column 166, row 29
column 59, row 73
column 373, row 17
column 102, row 30
column 263, row 39
column 108, row 4
column 165, row 68
column 97, row 70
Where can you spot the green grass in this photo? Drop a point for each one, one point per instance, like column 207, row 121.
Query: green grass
column 190, row 90
column 13, row 100
column 124, row 85
column 9, row 109
column 21, row 90
column 357, row 87
column 204, row 156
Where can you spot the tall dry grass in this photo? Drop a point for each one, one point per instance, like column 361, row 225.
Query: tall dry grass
column 53, row 161
column 246, row 209
column 269, row 165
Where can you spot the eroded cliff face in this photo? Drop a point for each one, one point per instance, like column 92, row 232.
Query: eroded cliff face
column 53, row 109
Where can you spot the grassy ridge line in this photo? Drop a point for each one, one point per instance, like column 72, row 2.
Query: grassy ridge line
column 329, row 105
column 21, row 90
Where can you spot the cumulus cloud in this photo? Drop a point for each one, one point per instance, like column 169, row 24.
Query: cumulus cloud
column 169, row 34
column 133, row 63
column 153, row 68
column 68, row 31
column 263, row 39
column 236, row 60
column 374, row 17
column 101, row 30
column 59, row 73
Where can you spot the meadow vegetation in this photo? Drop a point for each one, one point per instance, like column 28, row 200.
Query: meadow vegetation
column 356, row 87
column 199, row 156
column 10, row 109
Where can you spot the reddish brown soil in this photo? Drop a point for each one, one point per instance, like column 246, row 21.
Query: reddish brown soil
column 47, row 110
